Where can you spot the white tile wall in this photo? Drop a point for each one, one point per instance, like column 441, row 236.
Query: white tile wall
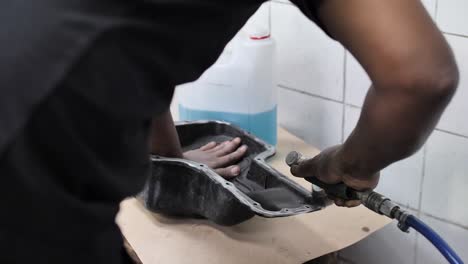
column 357, row 81
column 316, row 120
column 400, row 181
column 455, row 236
column 308, row 59
column 351, row 119
column 430, row 6
column 452, row 119
column 451, row 16
column 444, row 192
column 386, row 246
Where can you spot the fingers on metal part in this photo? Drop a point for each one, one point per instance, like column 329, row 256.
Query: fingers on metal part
column 229, row 172
column 229, row 147
column 209, row 146
column 234, row 156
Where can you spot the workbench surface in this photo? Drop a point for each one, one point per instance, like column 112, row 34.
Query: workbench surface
column 159, row 239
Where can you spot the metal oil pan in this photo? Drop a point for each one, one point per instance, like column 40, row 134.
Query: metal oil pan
column 184, row 188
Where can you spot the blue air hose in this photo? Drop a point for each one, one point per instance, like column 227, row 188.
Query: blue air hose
column 379, row 204
column 434, row 238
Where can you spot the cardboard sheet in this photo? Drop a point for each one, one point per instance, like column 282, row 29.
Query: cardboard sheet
column 159, row 239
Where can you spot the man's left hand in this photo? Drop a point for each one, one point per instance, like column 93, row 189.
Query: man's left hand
column 220, row 156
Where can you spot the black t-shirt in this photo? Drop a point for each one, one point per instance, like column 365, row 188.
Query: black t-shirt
column 67, row 66
column 169, row 42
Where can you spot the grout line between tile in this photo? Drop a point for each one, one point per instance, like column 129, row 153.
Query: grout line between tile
column 451, row 133
column 421, row 183
column 318, row 96
column 441, row 219
column 353, row 106
column 436, row 10
column 344, row 96
column 455, row 34
column 418, row 211
column 309, row 94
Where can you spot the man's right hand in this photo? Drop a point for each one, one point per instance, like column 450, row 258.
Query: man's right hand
column 329, row 167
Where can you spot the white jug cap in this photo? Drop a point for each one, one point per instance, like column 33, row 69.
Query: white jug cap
column 258, row 33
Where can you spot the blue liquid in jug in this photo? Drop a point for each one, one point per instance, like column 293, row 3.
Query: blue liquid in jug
column 262, row 125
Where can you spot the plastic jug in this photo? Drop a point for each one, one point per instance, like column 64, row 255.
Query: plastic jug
column 238, row 88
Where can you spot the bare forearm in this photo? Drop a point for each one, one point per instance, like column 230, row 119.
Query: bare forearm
column 393, row 125
column 413, row 71
column 164, row 138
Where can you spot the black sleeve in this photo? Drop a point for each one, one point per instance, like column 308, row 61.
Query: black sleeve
column 310, row 8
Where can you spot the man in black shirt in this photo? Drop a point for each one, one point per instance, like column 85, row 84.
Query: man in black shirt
column 82, row 82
